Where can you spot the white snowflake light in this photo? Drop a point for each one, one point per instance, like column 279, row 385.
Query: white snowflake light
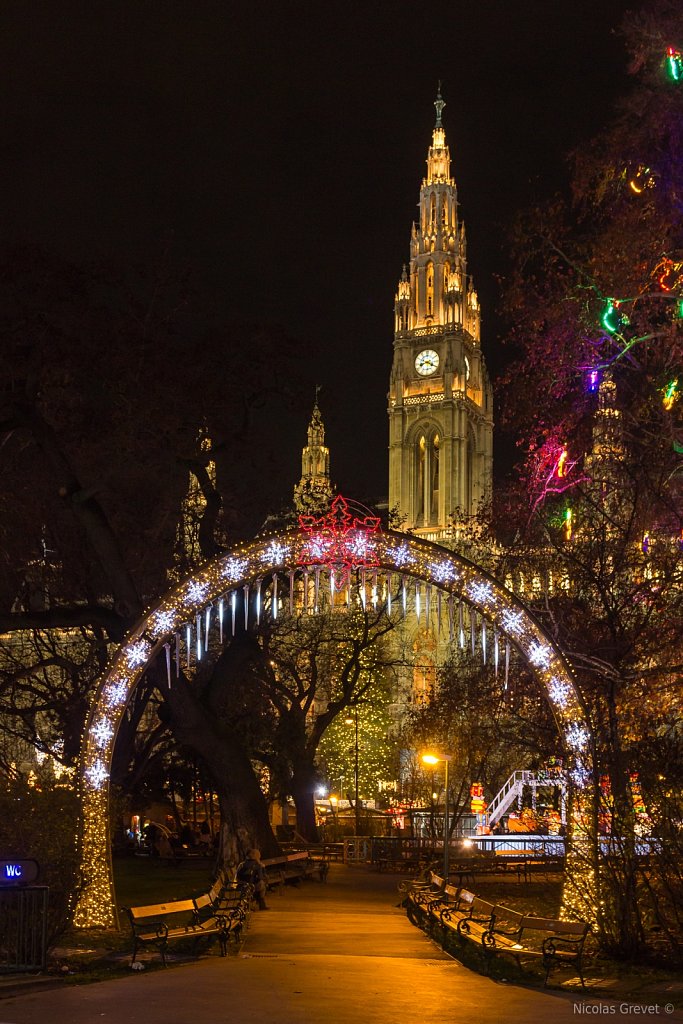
column 401, row 555
column 540, row 655
column 577, row 736
column 559, row 692
column 137, row 654
column 275, row 553
column 196, row 591
column 512, row 621
column 443, row 572
column 579, row 774
column 359, row 545
column 116, row 693
column 97, row 774
column 480, row 592
column 102, row 732
column 318, row 546
column 163, row 622
column 235, row 569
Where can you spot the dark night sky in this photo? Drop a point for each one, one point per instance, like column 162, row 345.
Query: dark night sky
column 281, row 145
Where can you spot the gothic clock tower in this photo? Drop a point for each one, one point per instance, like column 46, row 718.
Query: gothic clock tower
column 440, row 398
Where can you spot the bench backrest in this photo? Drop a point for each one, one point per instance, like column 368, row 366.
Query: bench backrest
column 482, row 908
column 508, row 920
column 436, row 881
column 160, row 909
column 451, row 892
column 549, row 924
column 466, row 899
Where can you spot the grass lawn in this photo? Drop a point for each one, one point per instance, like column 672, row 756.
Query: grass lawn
column 143, row 880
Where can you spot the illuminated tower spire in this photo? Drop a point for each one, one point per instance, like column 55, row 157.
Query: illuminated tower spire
column 314, row 490
column 187, row 551
column 440, row 398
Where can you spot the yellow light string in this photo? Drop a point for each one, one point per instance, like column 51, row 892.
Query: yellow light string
column 394, row 553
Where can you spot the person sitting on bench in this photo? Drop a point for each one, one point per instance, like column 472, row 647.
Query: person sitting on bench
column 252, row 871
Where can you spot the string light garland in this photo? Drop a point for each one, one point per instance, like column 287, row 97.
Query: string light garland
column 325, row 547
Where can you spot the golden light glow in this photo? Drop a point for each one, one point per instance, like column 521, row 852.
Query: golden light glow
column 266, row 559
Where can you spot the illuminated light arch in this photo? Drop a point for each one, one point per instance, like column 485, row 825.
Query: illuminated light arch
column 323, row 551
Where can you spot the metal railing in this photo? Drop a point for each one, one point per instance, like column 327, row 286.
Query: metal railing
column 23, row 928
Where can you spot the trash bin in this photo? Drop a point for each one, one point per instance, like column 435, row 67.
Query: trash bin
column 23, row 918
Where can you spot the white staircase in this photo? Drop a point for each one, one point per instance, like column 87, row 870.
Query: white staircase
column 512, row 790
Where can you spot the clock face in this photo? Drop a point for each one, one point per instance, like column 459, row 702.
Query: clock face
column 427, row 362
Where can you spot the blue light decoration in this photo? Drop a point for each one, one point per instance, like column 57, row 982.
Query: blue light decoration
column 592, row 380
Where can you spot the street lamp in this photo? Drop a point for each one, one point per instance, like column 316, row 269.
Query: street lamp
column 434, row 759
column 354, row 721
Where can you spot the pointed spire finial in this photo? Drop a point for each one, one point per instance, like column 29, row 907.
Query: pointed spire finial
column 439, row 104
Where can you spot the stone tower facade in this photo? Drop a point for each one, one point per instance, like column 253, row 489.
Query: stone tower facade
column 314, row 491
column 440, row 397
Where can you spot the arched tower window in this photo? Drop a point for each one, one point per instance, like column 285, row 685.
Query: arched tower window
column 430, row 289
column 432, row 212
column 427, row 478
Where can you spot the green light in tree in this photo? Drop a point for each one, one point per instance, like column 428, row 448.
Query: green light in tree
column 674, row 64
column 611, row 319
column 670, row 394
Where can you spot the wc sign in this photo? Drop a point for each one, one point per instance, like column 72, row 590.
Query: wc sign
column 18, row 872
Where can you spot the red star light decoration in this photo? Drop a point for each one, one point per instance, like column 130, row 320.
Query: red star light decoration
column 340, row 541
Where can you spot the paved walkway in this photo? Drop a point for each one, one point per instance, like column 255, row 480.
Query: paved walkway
column 340, row 953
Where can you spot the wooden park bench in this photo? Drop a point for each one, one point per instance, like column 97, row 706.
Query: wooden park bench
column 212, row 914
column 293, row 867
column 527, row 937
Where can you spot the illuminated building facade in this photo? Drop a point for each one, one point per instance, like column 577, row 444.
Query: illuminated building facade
column 440, row 396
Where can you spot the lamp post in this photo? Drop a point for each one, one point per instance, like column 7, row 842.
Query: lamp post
column 354, row 721
column 434, row 759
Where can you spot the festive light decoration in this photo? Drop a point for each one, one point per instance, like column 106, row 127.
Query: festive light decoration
column 350, row 543
column 611, row 319
column 593, row 380
column 671, row 394
column 567, row 524
column 561, row 468
column 642, row 179
column 477, row 801
column 674, row 64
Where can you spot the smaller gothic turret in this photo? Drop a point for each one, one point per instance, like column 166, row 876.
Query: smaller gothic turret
column 314, row 491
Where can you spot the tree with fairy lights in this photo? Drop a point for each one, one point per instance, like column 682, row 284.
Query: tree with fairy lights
column 596, row 302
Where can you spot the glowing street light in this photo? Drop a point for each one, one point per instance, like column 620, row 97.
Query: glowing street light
column 434, row 759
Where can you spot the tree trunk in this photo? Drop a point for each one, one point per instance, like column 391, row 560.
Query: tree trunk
column 304, row 781
column 244, row 810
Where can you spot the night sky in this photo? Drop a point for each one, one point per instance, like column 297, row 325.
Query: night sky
column 278, row 148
